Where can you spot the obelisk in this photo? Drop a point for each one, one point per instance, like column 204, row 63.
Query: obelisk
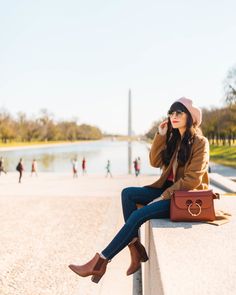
column 129, row 116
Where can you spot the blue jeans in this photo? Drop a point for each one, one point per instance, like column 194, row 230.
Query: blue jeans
column 134, row 217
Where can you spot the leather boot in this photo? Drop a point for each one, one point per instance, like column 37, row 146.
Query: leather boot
column 138, row 255
column 95, row 267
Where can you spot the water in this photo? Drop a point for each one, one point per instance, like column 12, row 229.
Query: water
column 223, row 170
column 58, row 158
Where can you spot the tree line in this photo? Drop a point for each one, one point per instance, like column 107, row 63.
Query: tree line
column 43, row 128
column 218, row 124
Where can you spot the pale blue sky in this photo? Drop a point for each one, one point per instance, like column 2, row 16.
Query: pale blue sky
column 79, row 58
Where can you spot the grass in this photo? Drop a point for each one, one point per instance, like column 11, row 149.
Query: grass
column 224, row 155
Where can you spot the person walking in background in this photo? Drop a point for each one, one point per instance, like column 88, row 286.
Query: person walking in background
column 135, row 166
column 84, row 171
column 108, row 168
column 138, row 166
column 180, row 149
column 2, row 169
column 34, row 167
column 20, row 169
column 75, row 167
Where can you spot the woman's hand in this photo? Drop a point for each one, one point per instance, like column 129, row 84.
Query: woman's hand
column 162, row 128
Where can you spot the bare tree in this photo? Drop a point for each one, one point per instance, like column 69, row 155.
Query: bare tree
column 230, row 86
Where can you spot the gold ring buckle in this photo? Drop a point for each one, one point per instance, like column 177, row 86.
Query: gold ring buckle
column 194, row 214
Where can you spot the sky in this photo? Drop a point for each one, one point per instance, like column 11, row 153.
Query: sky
column 78, row 59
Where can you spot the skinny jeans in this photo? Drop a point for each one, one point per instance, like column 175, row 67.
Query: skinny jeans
column 134, row 217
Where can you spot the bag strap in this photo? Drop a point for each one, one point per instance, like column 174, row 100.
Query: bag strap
column 216, row 196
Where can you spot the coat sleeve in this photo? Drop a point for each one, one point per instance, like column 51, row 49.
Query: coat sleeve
column 157, row 147
column 194, row 171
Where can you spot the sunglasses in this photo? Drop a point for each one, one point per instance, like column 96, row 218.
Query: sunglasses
column 178, row 113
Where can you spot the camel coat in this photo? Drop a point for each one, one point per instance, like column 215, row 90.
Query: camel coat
column 193, row 175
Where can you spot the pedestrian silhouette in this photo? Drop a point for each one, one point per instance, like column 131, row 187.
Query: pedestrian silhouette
column 75, row 167
column 137, row 163
column 2, row 169
column 34, row 167
column 20, row 169
column 138, row 166
column 108, row 168
column 84, row 171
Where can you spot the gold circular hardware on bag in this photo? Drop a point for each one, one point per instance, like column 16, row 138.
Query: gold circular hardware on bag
column 194, row 214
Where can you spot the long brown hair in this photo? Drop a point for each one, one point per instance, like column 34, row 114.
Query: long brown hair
column 173, row 138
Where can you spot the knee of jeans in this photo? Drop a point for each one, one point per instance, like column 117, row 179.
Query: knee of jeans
column 125, row 194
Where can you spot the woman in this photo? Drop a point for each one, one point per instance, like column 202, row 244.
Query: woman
column 183, row 154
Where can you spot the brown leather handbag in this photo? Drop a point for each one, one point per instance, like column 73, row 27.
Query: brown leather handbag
column 193, row 205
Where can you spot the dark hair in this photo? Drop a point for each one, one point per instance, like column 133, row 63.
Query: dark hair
column 173, row 137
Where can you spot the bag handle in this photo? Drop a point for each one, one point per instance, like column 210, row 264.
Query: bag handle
column 216, row 196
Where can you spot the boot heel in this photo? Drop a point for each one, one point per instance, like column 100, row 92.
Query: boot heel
column 142, row 251
column 144, row 257
column 96, row 278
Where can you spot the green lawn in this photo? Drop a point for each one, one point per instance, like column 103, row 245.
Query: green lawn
column 224, row 155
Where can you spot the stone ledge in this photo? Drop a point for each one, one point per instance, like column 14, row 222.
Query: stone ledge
column 223, row 182
column 191, row 258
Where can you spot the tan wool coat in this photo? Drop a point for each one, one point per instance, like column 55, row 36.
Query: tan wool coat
column 193, row 175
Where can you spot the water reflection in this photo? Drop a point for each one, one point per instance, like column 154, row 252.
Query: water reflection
column 58, row 158
column 46, row 161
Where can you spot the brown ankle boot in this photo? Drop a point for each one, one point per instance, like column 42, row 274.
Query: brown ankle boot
column 138, row 255
column 95, row 267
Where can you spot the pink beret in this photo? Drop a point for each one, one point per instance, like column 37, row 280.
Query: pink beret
column 195, row 112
